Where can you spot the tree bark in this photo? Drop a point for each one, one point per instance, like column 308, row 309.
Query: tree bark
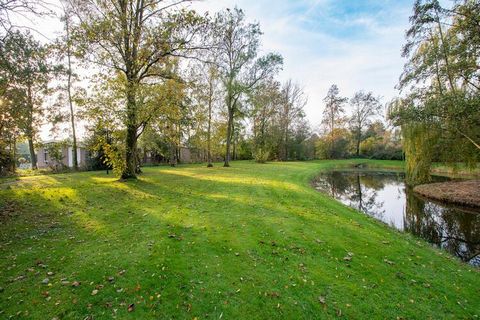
column 29, row 132
column 229, row 137
column 358, row 143
column 173, row 155
column 285, row 144
column 33, row 157
column 129, row 171
column 69, row 90
column 209, row 132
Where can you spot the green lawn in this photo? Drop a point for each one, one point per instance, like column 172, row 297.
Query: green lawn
column 247, row 242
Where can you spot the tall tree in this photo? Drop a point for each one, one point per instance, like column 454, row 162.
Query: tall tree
column 364, row 107
column 212, row 76
column 66, row 55
column 206, row 93
column 9, row 133
column 137, row 39
column 237, row 43
column 24, row 66
column 293, row 100
column 441, row 87
column 265, row 101
column 333, row 114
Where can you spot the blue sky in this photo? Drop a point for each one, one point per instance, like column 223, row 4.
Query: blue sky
column 354, row 44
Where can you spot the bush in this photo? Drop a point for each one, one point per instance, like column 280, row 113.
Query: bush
column 7, row 163
column 261, row 156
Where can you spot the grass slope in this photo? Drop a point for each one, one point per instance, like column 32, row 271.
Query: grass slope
column 247, row 242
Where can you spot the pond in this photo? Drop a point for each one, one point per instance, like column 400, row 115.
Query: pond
column 384, row 196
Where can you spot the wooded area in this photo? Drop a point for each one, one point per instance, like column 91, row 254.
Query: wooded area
column 153, row 76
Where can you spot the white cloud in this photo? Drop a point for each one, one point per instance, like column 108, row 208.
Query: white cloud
column 317, row 58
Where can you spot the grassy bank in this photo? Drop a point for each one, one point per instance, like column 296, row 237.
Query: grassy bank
column 247, row 242
column 459, row 171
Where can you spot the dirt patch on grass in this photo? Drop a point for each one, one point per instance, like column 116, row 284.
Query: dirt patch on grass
column 466, row 193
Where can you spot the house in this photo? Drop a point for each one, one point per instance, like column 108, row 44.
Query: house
column 64, row 156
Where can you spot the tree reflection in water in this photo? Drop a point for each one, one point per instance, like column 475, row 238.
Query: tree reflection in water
column 384, row 196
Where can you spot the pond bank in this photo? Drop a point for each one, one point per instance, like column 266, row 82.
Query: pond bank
column 384, row 196
column 466, row 193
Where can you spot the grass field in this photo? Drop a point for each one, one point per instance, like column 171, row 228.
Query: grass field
column 247, row 242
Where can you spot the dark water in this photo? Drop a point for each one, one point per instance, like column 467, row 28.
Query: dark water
column 384, row 195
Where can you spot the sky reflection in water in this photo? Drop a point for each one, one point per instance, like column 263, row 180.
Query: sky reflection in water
column 384, row 196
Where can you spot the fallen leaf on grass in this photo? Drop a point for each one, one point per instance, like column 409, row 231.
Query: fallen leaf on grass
column 131, row 307
column 273, row 294
column 348, row 257
column 94, row 292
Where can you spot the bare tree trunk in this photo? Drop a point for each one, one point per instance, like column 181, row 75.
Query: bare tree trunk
column 69, row 90
column 332, row 137
column 234, row 142
column 358, row 143
column 209, row 133
column 229, row 137
column 33, row 157
column 29, row 132
column 131, row 139
column 445, row 54
column 14, row 148
column 285, row 144
column 173, row 155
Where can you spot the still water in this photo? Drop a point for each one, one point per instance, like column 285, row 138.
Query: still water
column 384, row 196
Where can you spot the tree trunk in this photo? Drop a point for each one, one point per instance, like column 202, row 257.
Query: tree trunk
column 173, row 155
column 285, row 147
column 332, row 137
column 14, row 148
column 229, row 137
column 69, row 90
column 209, row 132
column 29, row 131
column 358, row 145
column 131, row 139
column 234, row 143
column 445, row 54
column 33, row 157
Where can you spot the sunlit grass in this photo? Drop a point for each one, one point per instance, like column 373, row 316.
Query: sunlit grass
column 251, row 241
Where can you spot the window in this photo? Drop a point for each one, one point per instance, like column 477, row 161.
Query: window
column 45, row 155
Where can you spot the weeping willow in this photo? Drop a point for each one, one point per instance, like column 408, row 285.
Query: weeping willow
column 419, row 141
